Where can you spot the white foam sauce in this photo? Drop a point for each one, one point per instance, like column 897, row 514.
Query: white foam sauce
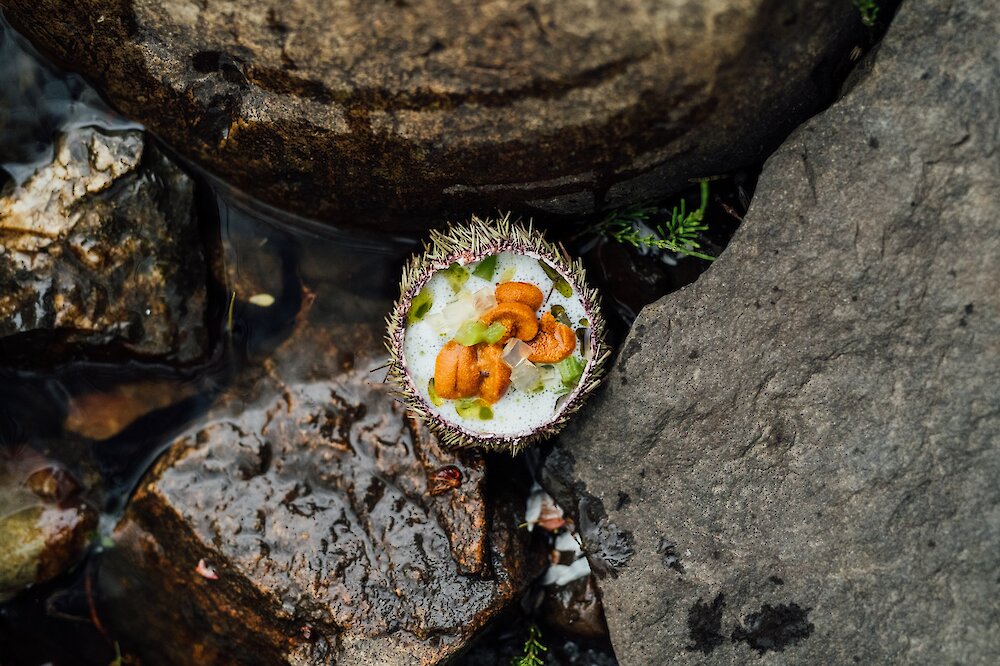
column 517, row 413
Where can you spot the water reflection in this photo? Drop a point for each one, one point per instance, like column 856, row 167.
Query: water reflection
column 350, row 275
column 37, row 102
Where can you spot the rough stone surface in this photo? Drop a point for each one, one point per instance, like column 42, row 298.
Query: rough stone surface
column 99, row 248
column 358, row 107
column 44, row 525
column 311, row 503
column 575, row 609
column 804, row 444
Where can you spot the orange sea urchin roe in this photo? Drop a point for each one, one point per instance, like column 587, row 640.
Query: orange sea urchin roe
column 456, row 372
column 517, row 318
column 520, row 292
column 553, row 343
column 495, row 373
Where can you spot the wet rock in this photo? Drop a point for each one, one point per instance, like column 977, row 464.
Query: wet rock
column 299, row 523
column 575, row 609
column 807, row 435
column 37, row 103
column 99, row 251
column 103, row 414
column 359, row 108
column 44, row 526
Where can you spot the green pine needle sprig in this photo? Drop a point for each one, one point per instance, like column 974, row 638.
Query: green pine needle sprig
column 532, row 649
column 678, row 234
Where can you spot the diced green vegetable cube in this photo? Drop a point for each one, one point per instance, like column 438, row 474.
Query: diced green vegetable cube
column 432, row 392
column 419, row 306
column 570, row 371
column 486, row 268
column 495, row 331
column 456, row 276
column 471, row 333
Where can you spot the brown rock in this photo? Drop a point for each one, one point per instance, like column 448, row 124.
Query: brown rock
column 575, row 609
column 44, row 526
column 103, row 414
column 559, row 105
column 299, row 527
column 99, row 249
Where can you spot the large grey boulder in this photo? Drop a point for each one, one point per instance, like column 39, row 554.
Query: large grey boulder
column 802, row 449
column 358, row 108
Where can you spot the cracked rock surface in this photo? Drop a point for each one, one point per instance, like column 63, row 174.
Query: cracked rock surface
column 360, row 108
column 803, row 444
column 98, row 250
column 300, row 523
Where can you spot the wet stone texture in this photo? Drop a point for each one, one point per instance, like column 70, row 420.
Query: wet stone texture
column 803, row 444
column 575, row 609
column 45, row 526
column 310, row 509
column 99, row 251
column 355, row 108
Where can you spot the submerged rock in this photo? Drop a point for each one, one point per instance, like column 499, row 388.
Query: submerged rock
column 103, row 414
column 37, row 103
column 359, row 107
column 99, row 251
column 44, row 526
column 803, row 444
column 309, row 525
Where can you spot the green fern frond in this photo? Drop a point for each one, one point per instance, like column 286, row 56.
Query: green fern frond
column 678, row 234
column 868, row 10
column 532, row 649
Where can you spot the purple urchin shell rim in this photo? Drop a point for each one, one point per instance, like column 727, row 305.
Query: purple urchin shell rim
column 466, row 243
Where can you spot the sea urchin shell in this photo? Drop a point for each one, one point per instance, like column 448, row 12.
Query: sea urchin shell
column 444, row 295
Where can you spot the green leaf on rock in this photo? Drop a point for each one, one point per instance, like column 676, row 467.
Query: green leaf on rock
column 533, row 650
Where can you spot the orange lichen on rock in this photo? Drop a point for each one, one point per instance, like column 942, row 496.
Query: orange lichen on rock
column 494, row 371
column 520, row 292
column 517, row 318
column 456, row 372
column 553, row 343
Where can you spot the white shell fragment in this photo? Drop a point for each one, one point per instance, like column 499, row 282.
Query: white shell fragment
column 561, row 574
